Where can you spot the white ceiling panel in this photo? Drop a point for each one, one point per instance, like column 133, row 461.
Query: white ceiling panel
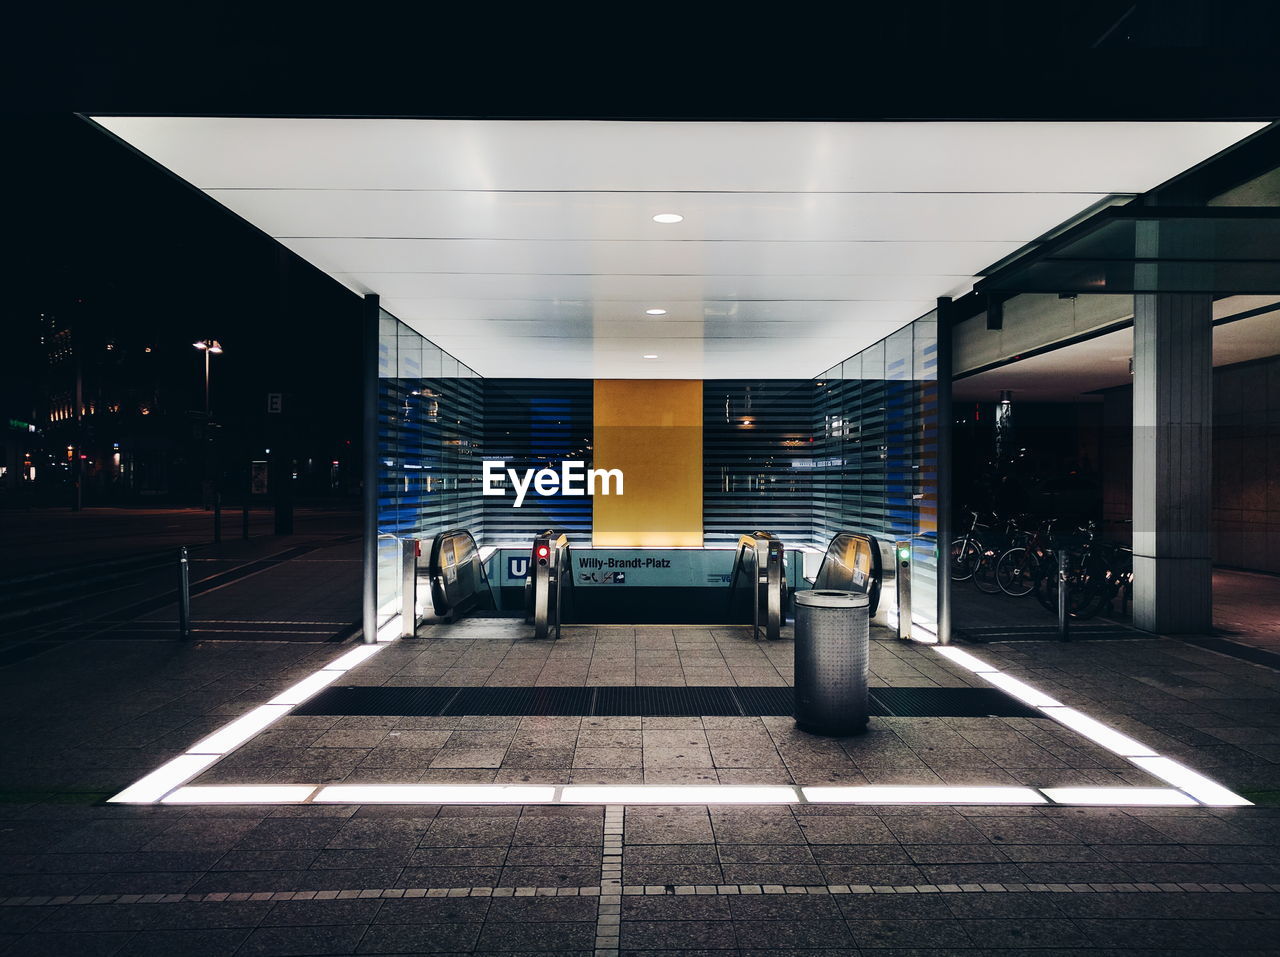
column 631, row 258
column 777, row 217
column 643, row 290
column 587, row 310
column 945, row 157
column 649, row 329
column 532, row 243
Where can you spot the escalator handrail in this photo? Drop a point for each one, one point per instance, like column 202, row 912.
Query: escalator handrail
column 751, row 544
column 435, row 572
column 876, row 577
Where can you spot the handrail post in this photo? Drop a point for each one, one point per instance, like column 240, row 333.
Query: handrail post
column 1063, row 627
column 902, row 581
column 184, row 594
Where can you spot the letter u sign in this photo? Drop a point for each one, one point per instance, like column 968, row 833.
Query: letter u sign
column 517, row 567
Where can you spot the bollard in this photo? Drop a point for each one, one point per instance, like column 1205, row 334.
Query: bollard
column 1063, row 628
column 902, row 579
column 409, row 551
column 217, row 518
column 184, row 594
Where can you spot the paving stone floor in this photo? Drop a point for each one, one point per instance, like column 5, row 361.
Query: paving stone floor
column 80, row 877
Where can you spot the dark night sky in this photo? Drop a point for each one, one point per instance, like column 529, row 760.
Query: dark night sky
column 92, row 220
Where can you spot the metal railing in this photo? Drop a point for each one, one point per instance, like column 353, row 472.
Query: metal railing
column 759, row 559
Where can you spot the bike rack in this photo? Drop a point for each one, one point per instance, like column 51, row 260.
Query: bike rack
column 765, row 553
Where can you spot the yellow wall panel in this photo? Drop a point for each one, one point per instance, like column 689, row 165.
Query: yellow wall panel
column 651, row 429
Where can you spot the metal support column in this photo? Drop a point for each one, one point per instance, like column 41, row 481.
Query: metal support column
column 369, row 466
column 944, row 470
column 1172, row 468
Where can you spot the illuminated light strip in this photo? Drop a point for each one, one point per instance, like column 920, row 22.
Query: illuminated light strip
column 355, row 656
column 154, row 786
column 965, row 660
column 162, row 788
column 677, row 794
column 1099, row 733
column 922, row 794
column 1197, row 785
column 242, row 794
column 1021, row 690
column 1118, row 797
column 308, row 686
column 1201, row 788
column 162, row 780
column 232, row 735
column 435, row 794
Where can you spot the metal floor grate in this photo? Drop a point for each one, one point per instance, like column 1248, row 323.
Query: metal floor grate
column 524, row 701
column 648, row 702
column 1078, row 632
column 950, row 703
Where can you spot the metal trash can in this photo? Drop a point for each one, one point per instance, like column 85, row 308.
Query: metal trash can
column 832, row 652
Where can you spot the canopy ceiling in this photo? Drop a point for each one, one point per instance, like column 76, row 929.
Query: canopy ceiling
column 528, row 248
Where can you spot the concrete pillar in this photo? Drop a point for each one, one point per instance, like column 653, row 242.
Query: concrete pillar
column 1172, row 469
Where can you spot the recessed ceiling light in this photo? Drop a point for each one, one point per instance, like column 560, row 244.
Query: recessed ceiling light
column 655, row 312
column 668, row 218
column 650, row 355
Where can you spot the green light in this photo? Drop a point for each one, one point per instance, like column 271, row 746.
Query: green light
column 904, row 552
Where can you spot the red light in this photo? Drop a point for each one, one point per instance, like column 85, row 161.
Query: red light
column 543, row 551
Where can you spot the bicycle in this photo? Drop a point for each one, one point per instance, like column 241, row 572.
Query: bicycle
column 1019, row 568
column 995, row 545
column 966, row 551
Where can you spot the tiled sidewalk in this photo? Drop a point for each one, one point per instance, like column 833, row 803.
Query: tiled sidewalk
column 1209, row 711
column 79, row 877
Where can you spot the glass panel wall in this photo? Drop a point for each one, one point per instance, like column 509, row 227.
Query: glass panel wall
column 757, row 460
column 875, row 451
column 534, row 423
column 430, row 425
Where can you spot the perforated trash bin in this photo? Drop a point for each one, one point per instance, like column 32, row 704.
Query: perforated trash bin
column 832, row 652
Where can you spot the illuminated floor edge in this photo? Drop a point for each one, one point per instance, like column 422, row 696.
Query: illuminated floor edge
column 694, row 794
column 168, row 784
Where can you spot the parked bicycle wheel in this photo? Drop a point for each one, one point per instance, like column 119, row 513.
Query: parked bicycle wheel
column 1017, row 571
column 984, row 573
column 965, row 555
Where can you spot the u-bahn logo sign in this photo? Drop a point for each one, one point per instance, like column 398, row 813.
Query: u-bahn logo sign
column 573, row 478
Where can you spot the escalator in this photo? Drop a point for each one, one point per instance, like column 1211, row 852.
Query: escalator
column 759, row 561
column 857, row 562
column 543, row 586
column 459, row 586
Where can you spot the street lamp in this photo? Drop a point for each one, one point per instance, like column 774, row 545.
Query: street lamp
column 208, row 347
